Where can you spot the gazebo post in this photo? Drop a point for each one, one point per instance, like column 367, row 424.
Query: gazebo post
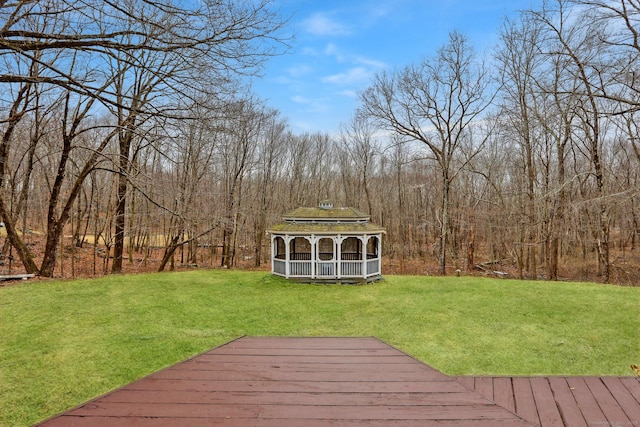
column 273, row 251
column 314, row 255
column 337, row 243
column 379, row 253
column 287, row 256
column 364, row 240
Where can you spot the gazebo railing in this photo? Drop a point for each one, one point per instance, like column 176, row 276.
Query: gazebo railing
column 327, row 269
column 280, row 267
column 306, row 256
column 351, row 265
column 373, row 267
column 351, row 268
column 300, row 268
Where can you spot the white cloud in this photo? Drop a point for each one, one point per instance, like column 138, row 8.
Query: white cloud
column 299, row 70
column 360, row 74
column 313, row 105
column 321, row 24
column 333, row 50
column 349, row 93
column 371, row 63
column 352, row 76
column 309, row 51
column 299, row 99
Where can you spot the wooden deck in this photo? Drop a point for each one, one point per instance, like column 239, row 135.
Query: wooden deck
column 312, row 382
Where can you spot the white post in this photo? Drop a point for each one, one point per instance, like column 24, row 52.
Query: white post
column 313, row 241
column 273, row 254
column 379, row 254
column 337, row 243
column 364, row 240
column 287, row 257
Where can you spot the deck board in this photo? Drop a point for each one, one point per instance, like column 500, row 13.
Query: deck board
column 524, row 401
column 566, row 402
column 610, row 407
column 503, row 393
column 623, row 397
column 350, row 382
column 545, row 403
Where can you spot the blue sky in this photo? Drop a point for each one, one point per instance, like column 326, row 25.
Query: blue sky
column 340, row 45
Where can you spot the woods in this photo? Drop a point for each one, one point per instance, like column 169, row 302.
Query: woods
column 141, row 139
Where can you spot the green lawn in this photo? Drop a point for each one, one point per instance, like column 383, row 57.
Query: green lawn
column 62, row 343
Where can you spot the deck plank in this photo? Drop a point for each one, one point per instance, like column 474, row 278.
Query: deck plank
column 524, row 401
column 484, row 386
column 503, row 393
column 546, row 403
column 303, row 398
column 586, row 402
column 610, row 407
column 569, row 410
column 620, row 393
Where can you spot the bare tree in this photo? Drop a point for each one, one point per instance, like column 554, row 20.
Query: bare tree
column 237, row 150
column 622, row 40
column 17, row 110
column 358, row 139
column 520, row 60
column 437, row 103
column 579, row 42
column 136, row 57
column 270, row 154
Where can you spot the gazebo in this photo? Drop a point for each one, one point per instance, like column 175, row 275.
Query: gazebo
column 326, row 244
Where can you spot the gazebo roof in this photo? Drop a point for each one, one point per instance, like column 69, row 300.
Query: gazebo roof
column 336, row 214
column 326, row 219
column 327, row 227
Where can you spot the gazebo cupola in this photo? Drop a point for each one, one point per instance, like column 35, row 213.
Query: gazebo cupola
column 326, row 244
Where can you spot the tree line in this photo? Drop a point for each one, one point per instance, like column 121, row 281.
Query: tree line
column 130, row 126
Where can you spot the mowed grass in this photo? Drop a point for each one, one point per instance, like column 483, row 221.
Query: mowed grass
column 62, row 343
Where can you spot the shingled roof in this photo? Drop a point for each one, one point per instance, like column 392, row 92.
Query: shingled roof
column 326, row 227
column 337, row 214
column 326, row 219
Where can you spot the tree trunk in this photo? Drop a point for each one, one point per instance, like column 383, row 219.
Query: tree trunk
column 16, row 242
column 121, row 194
column 471, row 245
column 169, row 251
column 444, row 226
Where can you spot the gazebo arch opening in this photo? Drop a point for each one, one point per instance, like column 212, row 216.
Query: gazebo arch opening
column 326, row 248
column 351, row 249
column 279, row 248
column 373, row 246
column 300, row 249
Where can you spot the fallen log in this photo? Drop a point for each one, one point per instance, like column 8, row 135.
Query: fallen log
column 16, row 277
column 488, row 271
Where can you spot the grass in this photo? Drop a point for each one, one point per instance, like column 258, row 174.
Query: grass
column 62, row 343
